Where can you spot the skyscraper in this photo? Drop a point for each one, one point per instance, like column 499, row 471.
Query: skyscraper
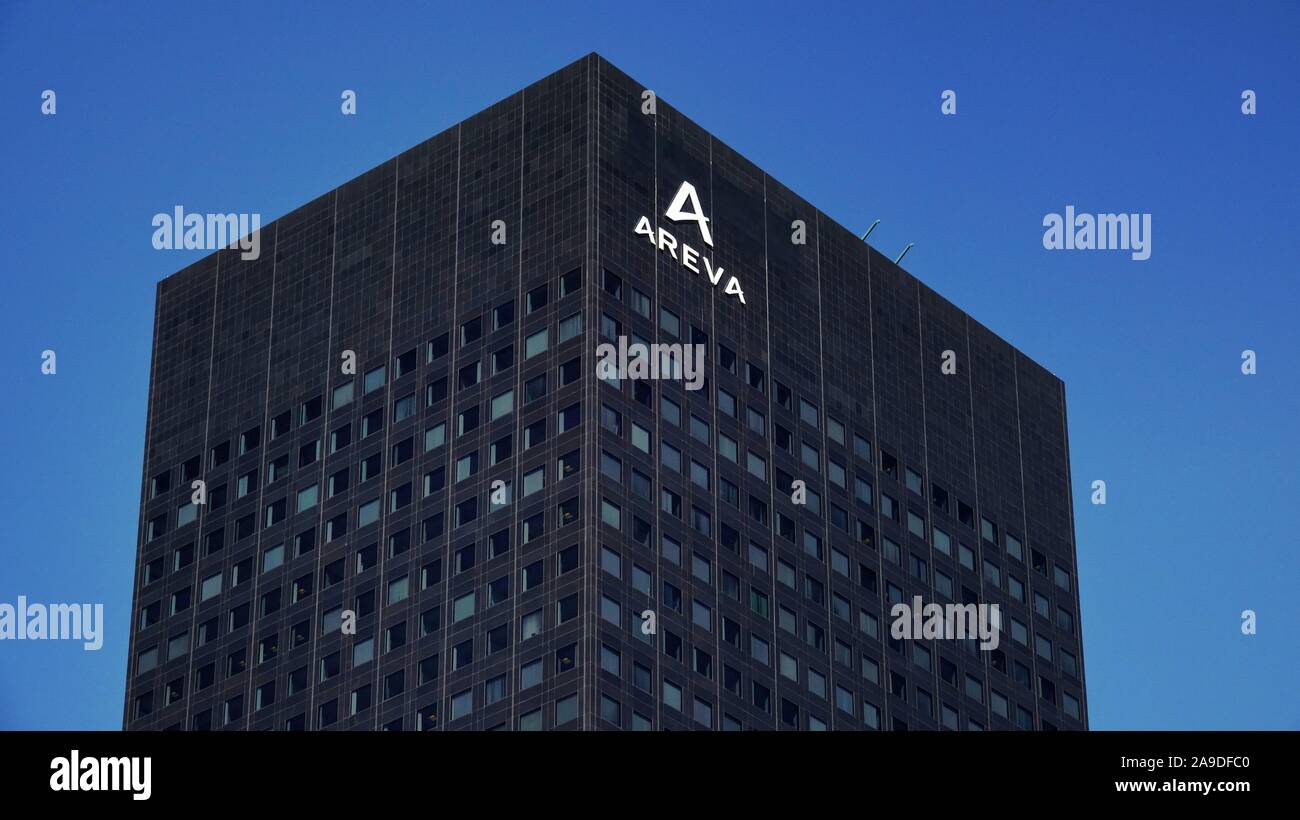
column 421, row 508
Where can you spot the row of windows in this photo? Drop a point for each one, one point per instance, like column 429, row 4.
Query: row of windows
column 501, row 405
column 701, row 614
column 397, row 591
column 529, row 529
column 641, row 531
column 531, row 624
column 273, row 556
column 531, row 674
column 471, row 330
column 394, row 684
column 435, row 436
column 701, row 570
column 756, row 465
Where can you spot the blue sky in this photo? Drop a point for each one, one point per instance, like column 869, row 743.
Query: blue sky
column 1110, row 107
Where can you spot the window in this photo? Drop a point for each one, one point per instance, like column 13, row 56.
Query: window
column 398, row 589
column 1062, row 578
column 566, row 609
column 610, row 610
column 672, row 695
column 372, row 423
column 502, row 405
column 494, row 690
column 570, row 417
column 808, row 413
column 726, row 403
column 499, row 590
column 160, row 483
column 463, row 608
column 530, row 625
column 669, row 323
column 988, row 530
column 570, row 327
column 1043, row 647
column 612, row 284
column 1024, row 718
column 431, row 574
column 611, row 514
column 532, row 527
column 307, row 497
column 640, row 303
column 1064, row 619
column 914, row 481
column 437, row 348
column 309, row 453
column 566, row 657
column 536, row 299
column 498, row 543
column 816, row 683
column 471, row 331
column 404, row 408
column 404, row 364
column 462, row 704
column 497, row 640
column 992, row 575
column 467, row 421
column 535, row 344
column 186, row 514
column 641, row 579
column 811, row 456
column 462, row 654
column 271, row 559
column 702, row 615
column 373, row 380
column 469, row 375
column 221, row 453
column 534, row 481
column 463, row 560
column 530, row 674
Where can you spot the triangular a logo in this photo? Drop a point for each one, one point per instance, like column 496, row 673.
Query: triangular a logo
column 686, row 194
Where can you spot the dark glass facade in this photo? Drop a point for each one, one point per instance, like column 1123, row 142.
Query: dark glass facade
column 471, row 279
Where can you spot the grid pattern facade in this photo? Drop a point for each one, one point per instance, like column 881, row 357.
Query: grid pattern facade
column 370, row 493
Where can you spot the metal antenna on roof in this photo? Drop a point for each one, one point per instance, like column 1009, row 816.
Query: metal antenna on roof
column 869, row 230
column 904, row 253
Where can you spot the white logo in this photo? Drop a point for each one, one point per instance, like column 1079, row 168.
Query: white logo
column 96, row 774
column 685, row 194
column 687, row 256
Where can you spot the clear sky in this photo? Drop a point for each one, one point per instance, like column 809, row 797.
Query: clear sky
column 1109, row 107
